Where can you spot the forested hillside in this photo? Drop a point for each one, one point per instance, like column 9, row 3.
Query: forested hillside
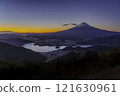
column 71, row 66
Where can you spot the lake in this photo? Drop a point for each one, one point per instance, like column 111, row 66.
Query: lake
column 38, row 48
column 83, row 46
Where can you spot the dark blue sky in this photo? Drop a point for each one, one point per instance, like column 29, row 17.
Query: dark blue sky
column 50, row 15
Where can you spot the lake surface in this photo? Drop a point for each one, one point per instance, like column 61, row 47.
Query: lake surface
column 38, row 48
column 83, row 46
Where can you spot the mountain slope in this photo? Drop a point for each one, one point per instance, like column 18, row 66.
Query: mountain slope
column 111, row 73
column 110, row 40
column 99, row 48
column 80, row 65
column 14, row 41
column 83, row 31
column 13, row 53
column 87, row 65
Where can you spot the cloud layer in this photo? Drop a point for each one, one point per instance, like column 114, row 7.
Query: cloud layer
column 70, row 24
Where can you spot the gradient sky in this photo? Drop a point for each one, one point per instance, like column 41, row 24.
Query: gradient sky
column 50, row 15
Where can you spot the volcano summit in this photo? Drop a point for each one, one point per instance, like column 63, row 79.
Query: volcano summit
column 83, row 30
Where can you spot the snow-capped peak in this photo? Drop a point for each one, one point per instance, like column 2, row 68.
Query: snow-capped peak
column 83, row 24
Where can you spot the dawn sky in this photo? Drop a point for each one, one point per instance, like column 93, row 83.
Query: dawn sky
column 50, row 15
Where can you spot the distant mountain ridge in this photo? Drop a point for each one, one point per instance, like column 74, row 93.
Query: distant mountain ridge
column 6, row 32
column 113, row 40
column 83, row 31
column 15, row 41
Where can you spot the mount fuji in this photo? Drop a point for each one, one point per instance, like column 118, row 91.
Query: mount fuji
column 83, row 31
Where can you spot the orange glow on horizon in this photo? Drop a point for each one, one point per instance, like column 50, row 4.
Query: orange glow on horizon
column 48, row 29
column 23, row 29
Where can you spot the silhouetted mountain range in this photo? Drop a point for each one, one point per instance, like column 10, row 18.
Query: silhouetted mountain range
column 13, row 53
column 6, row 32
column 83, row 31
column 80, row 65
column 99, row 48
column 87, row 65
column 15, row 41
column 110, row 40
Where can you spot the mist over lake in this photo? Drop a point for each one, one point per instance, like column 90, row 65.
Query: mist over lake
column 38, row 48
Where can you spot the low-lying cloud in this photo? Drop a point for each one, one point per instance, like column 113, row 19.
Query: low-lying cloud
column 70, row 24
